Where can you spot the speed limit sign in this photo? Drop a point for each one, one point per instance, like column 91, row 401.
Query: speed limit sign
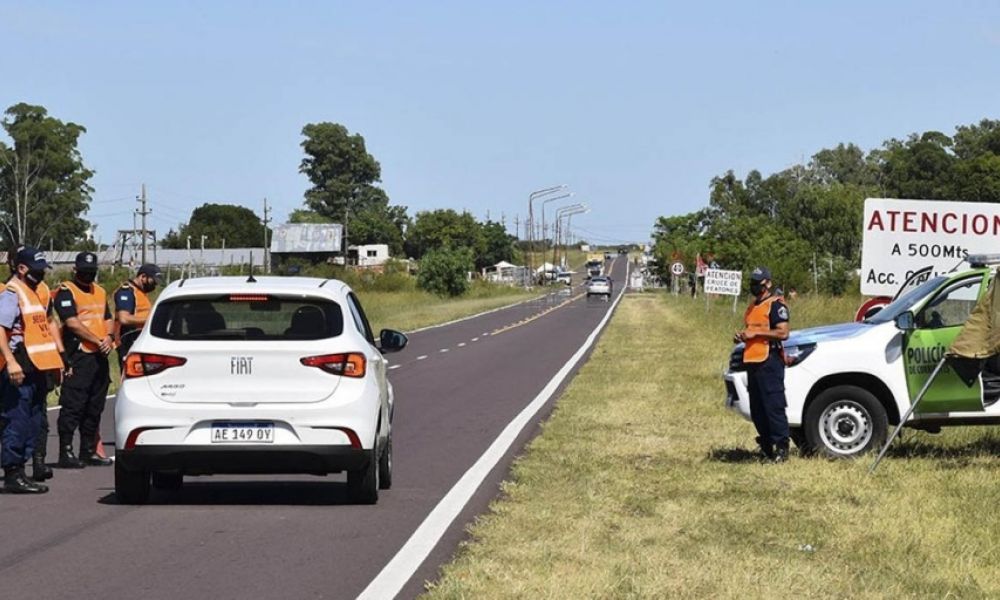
column 677, row 268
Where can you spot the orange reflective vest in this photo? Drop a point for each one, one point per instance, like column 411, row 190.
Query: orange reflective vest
column 142, row 307
column 38, row 340
column 90, row 309
column 758, row 318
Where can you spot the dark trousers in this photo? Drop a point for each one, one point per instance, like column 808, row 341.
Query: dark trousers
column 767, row 400
column 82, row 399
column 22, row 409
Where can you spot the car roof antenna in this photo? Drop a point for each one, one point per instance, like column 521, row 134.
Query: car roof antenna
column 251, row 278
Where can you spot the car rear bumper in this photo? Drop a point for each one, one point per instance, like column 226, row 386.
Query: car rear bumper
column 210, row 460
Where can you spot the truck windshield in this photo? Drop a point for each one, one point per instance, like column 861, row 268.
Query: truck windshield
column 906, row 301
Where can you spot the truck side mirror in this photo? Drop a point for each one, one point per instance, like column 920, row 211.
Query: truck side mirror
column 905, row 321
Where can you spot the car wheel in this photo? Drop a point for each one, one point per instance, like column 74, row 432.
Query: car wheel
column 362, row 484
column 385, row 465
column 131, row 487
column 845, row 421
column 168, row 481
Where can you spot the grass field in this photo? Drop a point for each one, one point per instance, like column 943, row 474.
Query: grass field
column 413, row 309
column 642, row 486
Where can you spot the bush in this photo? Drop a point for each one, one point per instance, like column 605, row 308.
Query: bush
column 444, row 271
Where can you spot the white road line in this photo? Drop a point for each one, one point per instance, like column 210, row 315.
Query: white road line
column 443, row 350
column 391, row 367
column 485, row 312
column 398, row 571
column 422, row 357
column 485, row 334
column 475, row 339
column 461, row 344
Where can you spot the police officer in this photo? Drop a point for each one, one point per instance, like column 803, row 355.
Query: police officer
column 82, row 305
column 766, row 326
column 29, row 350
column 132, row 307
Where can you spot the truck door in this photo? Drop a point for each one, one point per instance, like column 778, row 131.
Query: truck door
column 937, row 325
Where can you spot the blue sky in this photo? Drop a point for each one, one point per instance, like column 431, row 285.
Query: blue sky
column 635, row 105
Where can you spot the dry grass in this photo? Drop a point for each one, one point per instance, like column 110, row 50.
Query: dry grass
column 409, row 310
column 643, row 486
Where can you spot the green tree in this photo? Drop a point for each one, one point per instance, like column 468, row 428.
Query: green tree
column 922, row 167
column 498, row 245
column 342, row 172
column 444, row 228
column 304, row 215
column 44, row 189
column 444, row 271
column 237, row 225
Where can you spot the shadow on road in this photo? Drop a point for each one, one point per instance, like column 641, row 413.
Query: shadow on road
column 248, row 493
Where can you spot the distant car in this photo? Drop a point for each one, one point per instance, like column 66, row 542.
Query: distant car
column 599, row 286
column 607, row 256
column 273, row 375
column 564, row 277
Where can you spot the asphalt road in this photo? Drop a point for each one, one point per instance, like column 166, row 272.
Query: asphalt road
column 457, row 387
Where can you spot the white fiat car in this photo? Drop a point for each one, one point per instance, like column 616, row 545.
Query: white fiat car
column 268, row 375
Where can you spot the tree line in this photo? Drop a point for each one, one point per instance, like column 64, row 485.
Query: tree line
column 45, row 195
column 805, row 222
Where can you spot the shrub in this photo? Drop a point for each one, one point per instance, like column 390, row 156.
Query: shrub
column 444, row 271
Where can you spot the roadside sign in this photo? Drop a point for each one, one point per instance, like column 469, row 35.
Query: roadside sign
column 902, row 237
column 677, row 268
column 726, row 283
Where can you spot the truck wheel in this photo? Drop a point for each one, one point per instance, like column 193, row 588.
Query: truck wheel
column 845, row 421
column 131, row 487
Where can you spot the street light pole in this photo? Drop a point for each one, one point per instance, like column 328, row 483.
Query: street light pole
column 568, row 212
column 531, row 217
column 560, row 213
column 544, row 202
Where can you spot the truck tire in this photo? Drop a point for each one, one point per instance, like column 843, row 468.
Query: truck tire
column 845, row 421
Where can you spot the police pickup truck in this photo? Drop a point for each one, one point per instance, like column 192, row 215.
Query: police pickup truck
column 847, row 383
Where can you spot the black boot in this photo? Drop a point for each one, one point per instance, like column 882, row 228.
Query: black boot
column 90, row 457
column 39, row 470
column 766, row 449
column 67, row 459
column 781, row 453
column 14, row 482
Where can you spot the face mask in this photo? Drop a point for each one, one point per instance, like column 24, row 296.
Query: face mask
column 87, row 278
column 756, row 288
column 35, row 277
column 148, row 286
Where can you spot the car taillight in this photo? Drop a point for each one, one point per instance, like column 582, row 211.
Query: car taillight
column 349, row 364
column 141, row 364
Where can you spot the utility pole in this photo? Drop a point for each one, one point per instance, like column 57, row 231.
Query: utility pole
column 143, row 212
column 267, row 247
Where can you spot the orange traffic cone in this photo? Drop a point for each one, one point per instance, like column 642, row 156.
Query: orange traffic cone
column 99, row 448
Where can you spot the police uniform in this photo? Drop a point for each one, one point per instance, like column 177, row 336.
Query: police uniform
column 133, row 300
column 24, row 314
column 85, row 388
column 765, row 363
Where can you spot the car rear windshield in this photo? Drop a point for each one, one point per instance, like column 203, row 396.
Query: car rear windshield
column 247, row 317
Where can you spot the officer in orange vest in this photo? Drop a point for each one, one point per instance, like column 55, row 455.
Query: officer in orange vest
column 82, row 305
column 29, row 351
column 766, row 327
column 132, row 306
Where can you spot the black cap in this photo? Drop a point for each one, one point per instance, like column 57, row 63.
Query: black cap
column 760, row 274
column 33, row 258
column 86, row 261
column 150, row 270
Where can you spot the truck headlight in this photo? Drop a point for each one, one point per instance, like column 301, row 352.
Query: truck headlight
column 798, row 353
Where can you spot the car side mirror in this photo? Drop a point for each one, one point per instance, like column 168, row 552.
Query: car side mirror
column 905, row 321
column 390, row 340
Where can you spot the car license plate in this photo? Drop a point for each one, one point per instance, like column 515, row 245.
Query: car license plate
column 242, row 433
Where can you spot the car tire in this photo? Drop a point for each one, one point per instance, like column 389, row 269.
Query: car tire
column 845, row 421
column 385, row 465
column 131, row 487
column 168, row 481
column 362, row 484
